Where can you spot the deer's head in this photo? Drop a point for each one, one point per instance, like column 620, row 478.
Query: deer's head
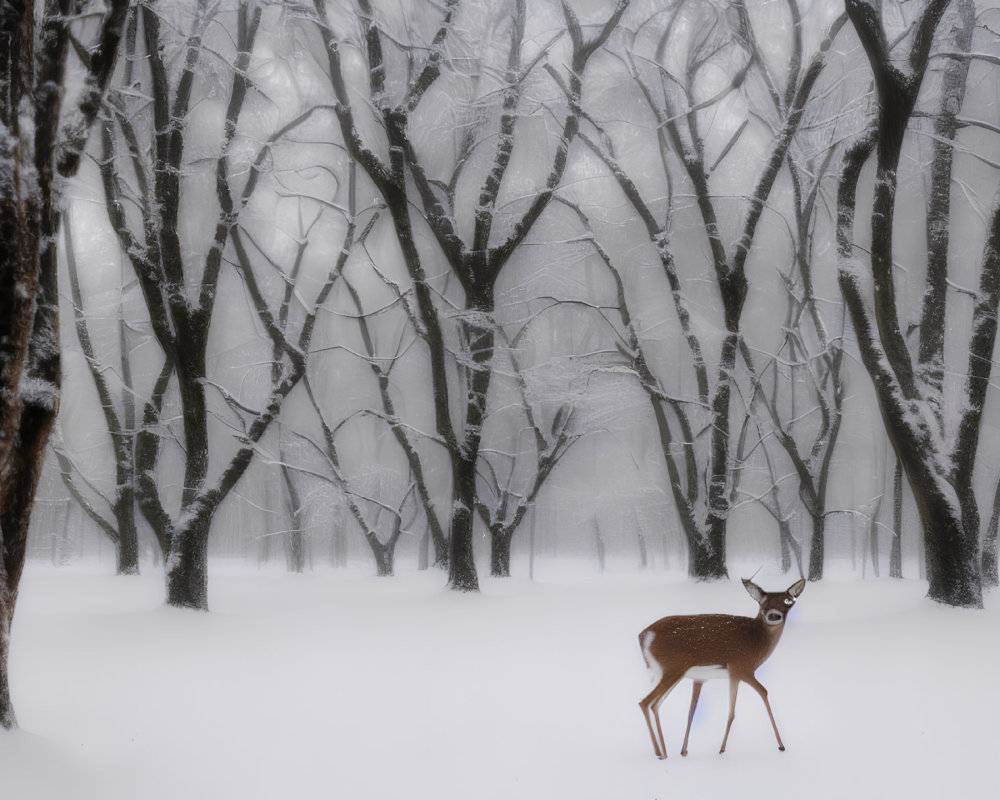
column 774, row 605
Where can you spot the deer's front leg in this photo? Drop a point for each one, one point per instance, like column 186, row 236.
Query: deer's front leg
column 734, row 687
column 759, row 688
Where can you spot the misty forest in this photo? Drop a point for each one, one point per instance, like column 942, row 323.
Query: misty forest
column 425, row 326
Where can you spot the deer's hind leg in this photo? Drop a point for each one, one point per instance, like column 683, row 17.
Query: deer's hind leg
column 650, row 706
column 695, row 692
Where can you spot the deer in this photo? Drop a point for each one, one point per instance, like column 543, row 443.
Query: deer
column 704, row 647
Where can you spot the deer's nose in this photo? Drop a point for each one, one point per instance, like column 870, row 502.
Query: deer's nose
column 773, row 617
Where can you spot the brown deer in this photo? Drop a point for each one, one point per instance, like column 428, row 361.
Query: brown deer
column 706, row 646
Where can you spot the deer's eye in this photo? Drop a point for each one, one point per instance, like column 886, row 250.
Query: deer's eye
column 789, row 601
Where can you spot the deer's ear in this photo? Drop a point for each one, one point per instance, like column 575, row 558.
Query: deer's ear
column 796, row 588
column 753, row 589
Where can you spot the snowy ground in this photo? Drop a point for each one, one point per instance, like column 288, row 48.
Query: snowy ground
column 337, row 684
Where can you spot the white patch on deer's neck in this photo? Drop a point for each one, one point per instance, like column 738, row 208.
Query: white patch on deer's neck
column 774, row 617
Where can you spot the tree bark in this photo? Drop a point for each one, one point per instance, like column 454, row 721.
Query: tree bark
column 945, row 500
column 187, row 566
column 501, row 538
column 35, row 155
column 817, row 549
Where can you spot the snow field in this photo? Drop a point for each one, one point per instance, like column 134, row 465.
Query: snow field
column 337, row 684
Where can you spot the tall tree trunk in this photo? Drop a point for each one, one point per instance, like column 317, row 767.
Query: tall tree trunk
column 480, row 341
column 945, row 500
column 33, row 158
column 711, row 563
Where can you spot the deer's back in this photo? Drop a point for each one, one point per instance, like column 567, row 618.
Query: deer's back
column 707, row 640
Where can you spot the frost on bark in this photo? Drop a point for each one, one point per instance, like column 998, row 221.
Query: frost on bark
column 41, row 136
column 938, row 460
column 162, row 264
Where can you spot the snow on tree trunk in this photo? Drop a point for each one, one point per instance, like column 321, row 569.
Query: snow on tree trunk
column 939, row 467
column 187, row 565
column 39, row 147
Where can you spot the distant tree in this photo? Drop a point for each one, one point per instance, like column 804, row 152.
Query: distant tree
column 52, row 86
column 511, row 478
column 896, row 548
column 938, row 455
column 677, row 76
column 155, row 197
column 120, row 420
column 475, row 261
column 366, row 497
column 382, row 365
column 811, row 358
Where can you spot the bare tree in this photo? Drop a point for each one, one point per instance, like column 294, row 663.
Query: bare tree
column 812, row 359
column 147, row 178
column 676, row 82
column 938, row 457
column 367, row 492
column 381, row 368
column 120, row 420
column 43, row 136
column 510, row 479
column 476, row 263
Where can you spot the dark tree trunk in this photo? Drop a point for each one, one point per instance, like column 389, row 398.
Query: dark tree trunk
column 703, row 560
column 952, row 549
column 933, row 322
column 384, row 560
column 945, row 502
column 989, row 558
column 500, row 541
column 8, row 719
column 18, row 482
column 296, row 550
column 817, row 548
column 19, row 286
column 480, row 341
column 461, row 563
column 187, row 566
column 128, row 533
column 33, row 76
column 784, row 536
